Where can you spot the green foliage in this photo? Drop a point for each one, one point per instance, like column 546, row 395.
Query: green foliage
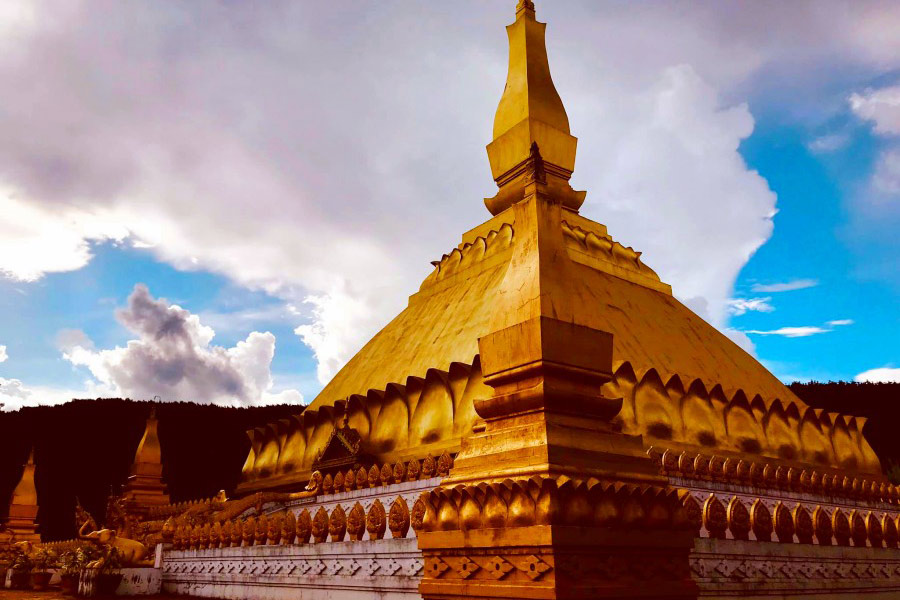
column 22, row 562
column 43, row 559
column 72, row 561
column 112, row 559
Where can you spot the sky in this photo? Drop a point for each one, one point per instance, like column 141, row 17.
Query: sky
column 222, row 201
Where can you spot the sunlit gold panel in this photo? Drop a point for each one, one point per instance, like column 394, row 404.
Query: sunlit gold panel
column 814, row 442
column 844, row 446
column 745, row 434
column 854, row 428
column 315, row 443
column 293, row 447
column 655, row 412
column 869, row 459
column 267, row 462
column 465, row 416
column 433, row 417
column 414, row 388
column 249, row 469
column 391, row 429
column 622, row 386
column 781, row 433
column 358, row 415
column 698, row 416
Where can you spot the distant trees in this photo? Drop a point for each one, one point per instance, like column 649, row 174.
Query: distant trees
column 84, row 448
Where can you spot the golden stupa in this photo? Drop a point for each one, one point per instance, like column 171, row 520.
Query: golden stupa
column 544, row 420
column 684, row 385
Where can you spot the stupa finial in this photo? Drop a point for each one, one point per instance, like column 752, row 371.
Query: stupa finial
column 530, row 111
column 145, row 486
column 149, row 449
column 525, row 6
column 25, row 492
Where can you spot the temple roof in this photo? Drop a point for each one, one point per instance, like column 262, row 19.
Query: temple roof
column 443, row 321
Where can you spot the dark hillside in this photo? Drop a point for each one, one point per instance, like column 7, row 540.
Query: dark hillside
column 85, row 447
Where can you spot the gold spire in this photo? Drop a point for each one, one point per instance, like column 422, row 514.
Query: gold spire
column 530, row 111
column 145, row 486
column 148, row 450
column 23, row 506
column 25, row 492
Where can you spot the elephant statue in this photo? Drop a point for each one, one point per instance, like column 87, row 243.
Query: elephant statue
column 132, row 553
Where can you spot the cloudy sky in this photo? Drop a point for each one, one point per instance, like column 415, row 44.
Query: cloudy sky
column 221, row 201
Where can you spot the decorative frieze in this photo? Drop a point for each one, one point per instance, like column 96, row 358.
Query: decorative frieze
column 683, row 465
column 739, row 568
column 823, row 525
column 378, row 568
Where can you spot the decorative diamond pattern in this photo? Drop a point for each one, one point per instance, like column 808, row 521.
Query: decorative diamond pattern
column 533, row 567
column 317, row 567
column 435, row 567
column 467, row 567
column 414, row 567
column 352, row 567
column 371, row 566
column 498, row 567
column 335, row 567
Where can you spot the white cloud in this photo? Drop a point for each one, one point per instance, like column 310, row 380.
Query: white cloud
column 792, row 332
column 332, row 334
column 828, row 143
column 36, row 239
column 12, row 388
column 741, row 339
column 881, row 106
column 237, row 149
column 678, row 130
column 886, row 178
column 804, row 331
column 740, row 306
column 173, row 357
column 875, row 214
column 3, row 354
column 787, row 286
column 880, row 375
column 14, row 395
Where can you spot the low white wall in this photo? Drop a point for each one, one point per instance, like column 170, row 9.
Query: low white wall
column 139, row 581
column 386, row 569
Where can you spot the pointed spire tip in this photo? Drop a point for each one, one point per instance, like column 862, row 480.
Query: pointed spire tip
column 523, row 6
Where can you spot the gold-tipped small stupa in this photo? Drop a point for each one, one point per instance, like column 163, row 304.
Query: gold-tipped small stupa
column 145, row 487
column 23, row 506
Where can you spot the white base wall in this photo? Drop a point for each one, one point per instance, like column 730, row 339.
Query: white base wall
column 387, row 569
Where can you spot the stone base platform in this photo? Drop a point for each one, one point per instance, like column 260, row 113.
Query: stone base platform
column 740, row 569
column 388, row 569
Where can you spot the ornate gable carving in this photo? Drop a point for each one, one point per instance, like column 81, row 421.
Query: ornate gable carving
column 341, row 450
